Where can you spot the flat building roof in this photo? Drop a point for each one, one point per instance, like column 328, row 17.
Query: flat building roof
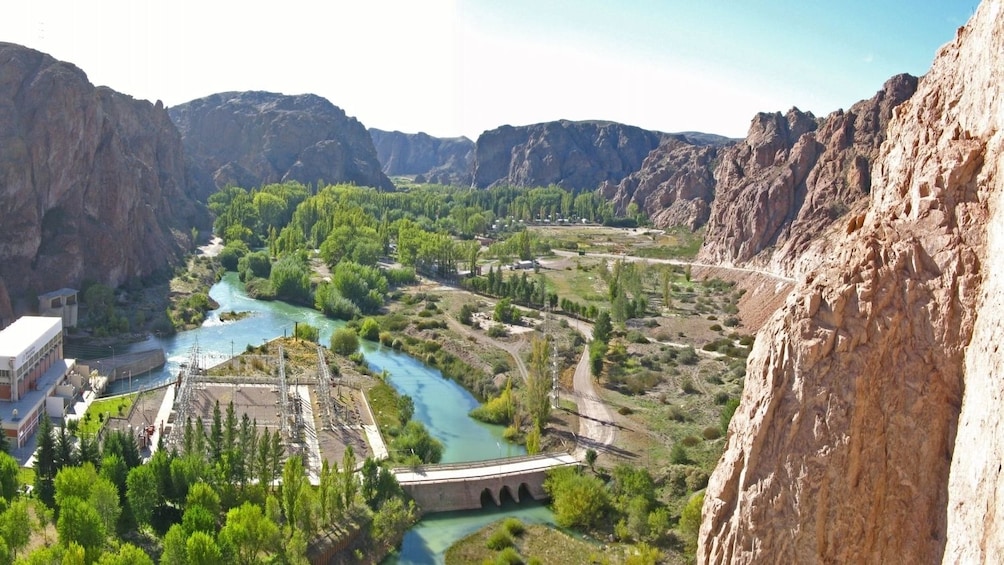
column 25, row 332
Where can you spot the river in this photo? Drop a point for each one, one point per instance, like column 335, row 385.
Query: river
column 440, row 404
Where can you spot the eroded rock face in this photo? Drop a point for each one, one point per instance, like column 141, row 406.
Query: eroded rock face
column 92, row 182
column 573, row 155
column 793, row 177
column 435, row 159
column 870, row 428
column 674, row 186
column 249, row 139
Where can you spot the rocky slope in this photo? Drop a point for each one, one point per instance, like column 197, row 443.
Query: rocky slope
column 253, row 138
column 870, row 428
column 92, row 182
column 793, row 176
column 574, row 155
column 674, row 186
column 432, row 159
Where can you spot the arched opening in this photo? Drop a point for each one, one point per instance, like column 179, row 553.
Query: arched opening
column 506, row 496
column 488, row 499
column 524, row 493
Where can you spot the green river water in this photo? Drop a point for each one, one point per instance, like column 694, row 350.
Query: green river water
column 440, row 404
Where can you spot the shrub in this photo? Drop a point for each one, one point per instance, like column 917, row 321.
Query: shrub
column 688, row 386
column 728, row 411
column 508, row 556
column 731, row 321
column 497, row 330
column 344, row 341
column 500, row 539
column 690, row 441
column 370, row 329
column 514, row 526
column 676, row 414
column 721, row 397
column 625, row 411
column 712, row 433
column 715, row 328
column 678, row 455
column 687, row 356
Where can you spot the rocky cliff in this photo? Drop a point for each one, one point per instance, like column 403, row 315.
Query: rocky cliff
column 795, row 175
column 92, row 182
column 253, row 138
column 431, row 159
column 574, row 155
column 674, row 186
column 870, row 428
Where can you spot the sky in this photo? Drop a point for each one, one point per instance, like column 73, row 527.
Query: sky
column 450, row 68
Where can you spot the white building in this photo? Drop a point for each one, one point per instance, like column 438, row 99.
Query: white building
column 32, row 371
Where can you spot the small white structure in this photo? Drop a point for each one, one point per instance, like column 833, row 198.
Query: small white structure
column 61, row 303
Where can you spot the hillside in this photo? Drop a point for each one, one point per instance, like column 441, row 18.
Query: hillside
column 431, row 159
column 92, row 183
column 870, row 428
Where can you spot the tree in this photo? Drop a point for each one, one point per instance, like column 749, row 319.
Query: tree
column 292, row 482
column 344, row 341
column 591, row 456
column 80, row 523
column 128, row 554
column 9, row 471
column 175, row 546
column 45, row 461
column 690, row 522
column 248, row 533
column 290, row 279
column 349, row 484
column 415, row 438
column 74, row 482
column 603, row 327
column 370, row 329
column 141, row 493
column 201, row 549
column 537, row 395
column 15, row 526
column 505, row 312
column 578, row 500
column 104, row 498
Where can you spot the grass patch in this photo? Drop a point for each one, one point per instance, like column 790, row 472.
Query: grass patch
column 537, row 544
column 100, row 410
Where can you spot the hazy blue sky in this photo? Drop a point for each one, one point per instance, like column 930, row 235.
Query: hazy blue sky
column 461, row 67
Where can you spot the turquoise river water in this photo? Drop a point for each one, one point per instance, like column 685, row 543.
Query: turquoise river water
column 440, row 404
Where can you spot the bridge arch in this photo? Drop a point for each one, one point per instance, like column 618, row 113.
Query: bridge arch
column 507, row 493
column 523, row 493
column 488, row 498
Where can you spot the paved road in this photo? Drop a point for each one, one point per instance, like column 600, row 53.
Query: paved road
column 479, row 469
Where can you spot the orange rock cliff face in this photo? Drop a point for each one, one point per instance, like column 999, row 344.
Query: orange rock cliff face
column 870, row 428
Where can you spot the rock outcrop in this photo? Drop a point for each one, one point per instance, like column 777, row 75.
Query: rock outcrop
column 674, row 186
column 574, row 155
column 249, row 139
column 441, row 160
column 870, row 428
column 92, row 182
column 794, row 176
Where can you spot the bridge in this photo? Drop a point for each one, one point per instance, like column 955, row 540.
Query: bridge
column 468, row 486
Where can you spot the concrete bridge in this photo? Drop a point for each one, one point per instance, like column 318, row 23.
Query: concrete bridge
column 469, row 486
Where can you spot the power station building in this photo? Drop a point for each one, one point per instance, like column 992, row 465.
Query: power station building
column 33, row 375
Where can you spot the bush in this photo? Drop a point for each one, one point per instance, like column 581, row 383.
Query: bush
column 514, row 526
column 715, row 328
column 508, row 556
column 728, row 411
column 687, row 356
column 712, row 433
column 678, row 455
column 497, row 330
column 688, row 386
column 370, row 329
column 690, row 441
column 344, row 341
column 731, row 321
column 625, row 411
column 500, row 539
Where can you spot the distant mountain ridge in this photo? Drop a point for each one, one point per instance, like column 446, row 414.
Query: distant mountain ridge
column 441, row 160
column 253, row 138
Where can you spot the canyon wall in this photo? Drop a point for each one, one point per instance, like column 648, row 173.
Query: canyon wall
column 793, row 177
column 92, row 183
column 573, row 155
column 440, row 160
column 870, row 428
column 248, row 139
